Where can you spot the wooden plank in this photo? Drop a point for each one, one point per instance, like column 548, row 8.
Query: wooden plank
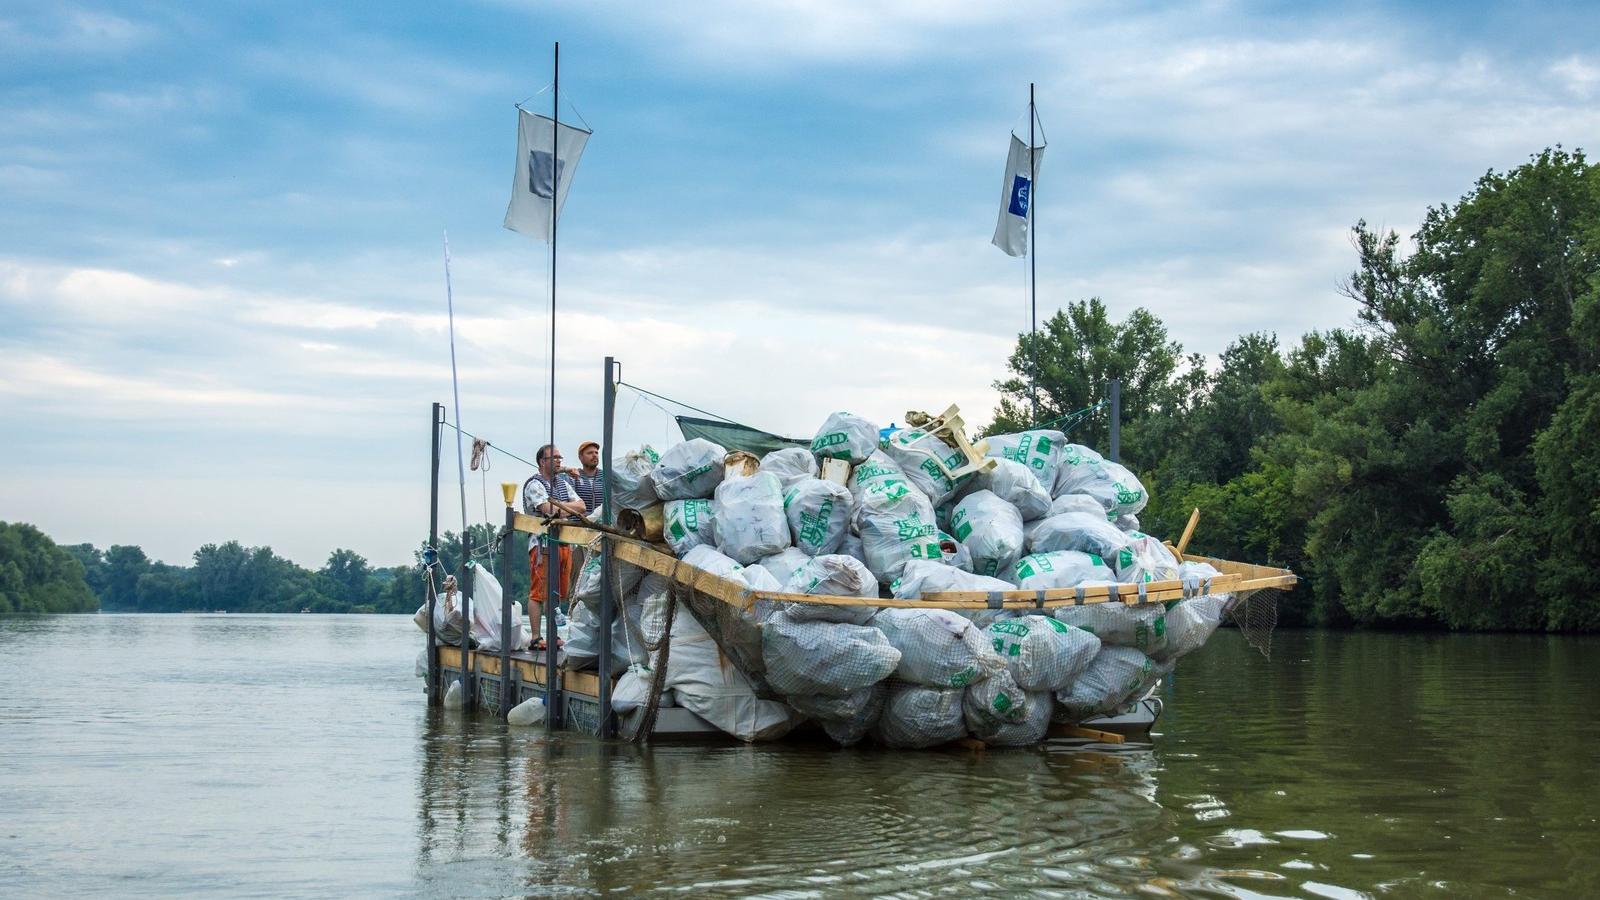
column 1089, row 734
column 1188, row 531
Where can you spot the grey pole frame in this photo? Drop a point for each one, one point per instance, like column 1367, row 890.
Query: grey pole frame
column 505, row 614
column 1033, row 261
column 1116, row 420
column 468, row 689
column 608, row 587
column 552, row 582
column 436, row 426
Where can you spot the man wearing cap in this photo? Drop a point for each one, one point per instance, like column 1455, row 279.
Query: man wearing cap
column 590, row 480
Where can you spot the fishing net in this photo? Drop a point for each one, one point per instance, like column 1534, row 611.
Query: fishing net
column 1256, row 614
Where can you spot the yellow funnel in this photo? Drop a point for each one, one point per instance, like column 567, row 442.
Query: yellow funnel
column 509, row 490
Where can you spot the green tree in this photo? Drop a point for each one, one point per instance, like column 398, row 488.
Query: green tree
column 347, row 576
column 124, row 566
column 36, row 576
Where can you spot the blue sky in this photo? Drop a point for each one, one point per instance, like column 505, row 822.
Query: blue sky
column 221, row 287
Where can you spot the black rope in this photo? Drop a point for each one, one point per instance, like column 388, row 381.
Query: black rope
column 489, row 443
column 679, row 403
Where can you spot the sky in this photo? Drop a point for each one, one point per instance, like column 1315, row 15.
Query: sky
column 222, row 293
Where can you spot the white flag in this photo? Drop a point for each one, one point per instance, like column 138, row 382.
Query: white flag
column 1016, row 197
column 540, row 175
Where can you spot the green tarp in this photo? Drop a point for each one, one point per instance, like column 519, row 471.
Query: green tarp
column 736, row 437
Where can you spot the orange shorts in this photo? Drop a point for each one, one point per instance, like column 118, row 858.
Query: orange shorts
column 537, row 559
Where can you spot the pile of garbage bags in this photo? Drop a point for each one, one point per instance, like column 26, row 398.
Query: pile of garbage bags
column 891, row 520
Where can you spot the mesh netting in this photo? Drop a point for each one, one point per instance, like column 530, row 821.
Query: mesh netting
column 1256, row 614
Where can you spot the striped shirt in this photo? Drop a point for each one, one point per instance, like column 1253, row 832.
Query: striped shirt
column 536, row 490
column 591, row 488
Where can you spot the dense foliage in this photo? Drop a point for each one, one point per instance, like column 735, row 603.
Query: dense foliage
column 236, row 578
column 1432, row 465
column 36, row 576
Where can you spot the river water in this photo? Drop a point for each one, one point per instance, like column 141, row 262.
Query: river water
column 294, row 756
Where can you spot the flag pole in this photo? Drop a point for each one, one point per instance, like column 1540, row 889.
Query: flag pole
column 552, row 581
column 1033, row 263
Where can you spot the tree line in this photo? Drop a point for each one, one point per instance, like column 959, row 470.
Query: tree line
column 1434, row 464
column 38, row 576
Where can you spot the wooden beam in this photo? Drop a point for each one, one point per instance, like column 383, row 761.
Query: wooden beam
column 1188, row 531
column 1088, row 734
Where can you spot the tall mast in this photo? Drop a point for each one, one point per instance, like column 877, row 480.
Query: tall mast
column 555, row 203
column 1033, row 263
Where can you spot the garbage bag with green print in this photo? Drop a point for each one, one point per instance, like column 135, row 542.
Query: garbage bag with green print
column 897, row 525
column 919, row 454
column 686, row 524
column 845, row 436
column 991, row 530
column 819, row 515
column 1083, row 471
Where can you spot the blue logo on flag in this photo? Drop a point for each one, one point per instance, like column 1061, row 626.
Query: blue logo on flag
column 542, row 176
column 1020, row 189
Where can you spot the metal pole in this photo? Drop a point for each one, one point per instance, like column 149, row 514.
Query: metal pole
column 1116, row 420
column 608, row 586
column 552, row 590
column 1033, row 262
column 469, row 691
column 435, row 425
column 506, row 698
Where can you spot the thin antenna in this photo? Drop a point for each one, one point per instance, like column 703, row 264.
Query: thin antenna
column 1033, row 261
column 455, row 387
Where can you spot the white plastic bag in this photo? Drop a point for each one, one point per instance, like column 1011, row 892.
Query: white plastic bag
column 915, row 717
column 845, row 436
column 486, row 613
column 850, row 731
column 937, row 647
column 809, row 657
column 708, row 684
column 528, row 712
column 834, row 575
column 749, row 519
column 688, row 523
column 991, row 531
column 1141, row 626
column 1063, row 568
column 791, row 465
column 918, row 453
column 896, row 526
column 1037, row 451
column 690, row 469
column 1117, row 675
column 922, row 577
column 1144, row 559
column 631, row 487
column 993, row 702
column 1013, row 483
column 1042, row 653
column 1032, row 729
column 1085, row 532
column 819, row 515
column 1084, row 471
column 880, row 475
column 783, row 564
column 1081, row 503
column 586, row 587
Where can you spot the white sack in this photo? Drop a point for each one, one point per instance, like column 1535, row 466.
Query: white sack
column 1063, row 568
column 791, row 465
column 709, row 685
column 1037, row 451
column 1145, row 559
column 783, row 564
column 1081, row 503
column 849, row 732
column 993, row 702
column 918, row 453
column 991, row 531
column 1142, row 627
column 937, row 647
column 1085, row 532
column 835, row 707
column 915, row 716
column 1084, row 471
column 748, row 519
column 1190, row 624
column 1117, row 675
column 1012, row 482
column 586, row 587
column 896, row 526
column 486, row 611
column 824, row 657
column 688, row 523
column 818, row 513
column 1041, row 653
column 690, row 469
column 845, row 436
column 1032, row 729
column 923, row 577
column 834, row 575
column 631, row 487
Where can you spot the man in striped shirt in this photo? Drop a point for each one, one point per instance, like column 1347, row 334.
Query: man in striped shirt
column 550, row 492
column 591, row 479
